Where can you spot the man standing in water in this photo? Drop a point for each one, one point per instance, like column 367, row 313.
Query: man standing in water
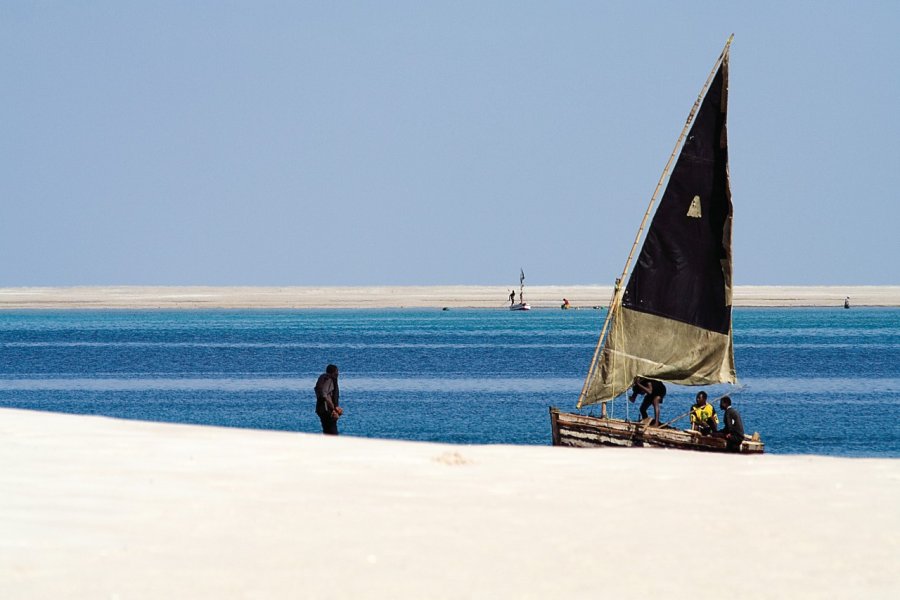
column 328, row 400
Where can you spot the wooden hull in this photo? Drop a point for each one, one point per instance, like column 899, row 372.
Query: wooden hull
column 570, row 429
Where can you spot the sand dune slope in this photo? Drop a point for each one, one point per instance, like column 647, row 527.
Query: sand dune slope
column 93, row 507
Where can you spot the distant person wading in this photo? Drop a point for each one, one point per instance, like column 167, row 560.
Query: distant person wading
column 328, row 399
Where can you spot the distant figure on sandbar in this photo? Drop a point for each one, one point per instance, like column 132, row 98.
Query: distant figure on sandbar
column 847, row 302
column 703, row 415
column 653, row 391
column 733, row 426
column 565, row 304
column 512, row 297
column 328, row 400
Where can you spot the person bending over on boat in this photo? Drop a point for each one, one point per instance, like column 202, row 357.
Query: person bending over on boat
column 733, row 426
column 653, row 391
column 703, row 415
column 328, row 400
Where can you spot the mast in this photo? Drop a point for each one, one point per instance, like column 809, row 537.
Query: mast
column 616, row 300
column 521, row 285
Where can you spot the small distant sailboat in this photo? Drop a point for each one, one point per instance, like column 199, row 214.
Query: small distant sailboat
column 521, row 304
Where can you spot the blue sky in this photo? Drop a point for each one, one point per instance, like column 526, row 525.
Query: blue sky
column 359, row 143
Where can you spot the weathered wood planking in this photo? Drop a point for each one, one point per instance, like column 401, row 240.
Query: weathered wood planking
column 569, row 429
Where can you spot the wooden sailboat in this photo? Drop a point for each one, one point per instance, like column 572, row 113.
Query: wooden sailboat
column 521, row 304
column 672, row 320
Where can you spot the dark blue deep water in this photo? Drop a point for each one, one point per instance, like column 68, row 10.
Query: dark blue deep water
column 820, row 381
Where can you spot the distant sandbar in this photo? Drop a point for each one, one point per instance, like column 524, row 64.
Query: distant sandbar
column 450, row 296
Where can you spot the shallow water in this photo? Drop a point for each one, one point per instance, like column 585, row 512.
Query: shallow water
column 822, row 381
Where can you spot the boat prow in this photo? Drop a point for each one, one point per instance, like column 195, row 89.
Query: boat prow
column 582, row 431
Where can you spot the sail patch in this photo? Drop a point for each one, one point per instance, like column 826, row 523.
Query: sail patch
column 694, row 210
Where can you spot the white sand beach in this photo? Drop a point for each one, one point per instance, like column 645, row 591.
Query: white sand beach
column 92, row 507
column 452, row 296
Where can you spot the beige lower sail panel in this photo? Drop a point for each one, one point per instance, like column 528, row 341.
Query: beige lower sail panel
column 659, row 348
column 571, row 429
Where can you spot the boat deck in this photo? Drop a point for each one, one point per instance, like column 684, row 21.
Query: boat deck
column 570, row 429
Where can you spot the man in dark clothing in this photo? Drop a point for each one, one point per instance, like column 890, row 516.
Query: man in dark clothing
column 328, row 400
column 653, row 391
column 733, row 428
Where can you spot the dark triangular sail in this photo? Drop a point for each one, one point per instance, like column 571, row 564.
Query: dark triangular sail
column 673, row 321
column 684, row 269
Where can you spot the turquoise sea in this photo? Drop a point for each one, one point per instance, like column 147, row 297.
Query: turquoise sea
column 813, row 381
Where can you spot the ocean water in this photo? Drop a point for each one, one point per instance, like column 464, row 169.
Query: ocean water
column 813, row 381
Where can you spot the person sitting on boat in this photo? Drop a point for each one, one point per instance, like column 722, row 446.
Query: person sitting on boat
column 703, row 415
column 653, row 391
column 733, row 427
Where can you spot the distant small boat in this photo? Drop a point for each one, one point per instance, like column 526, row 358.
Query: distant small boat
column 521, row 304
